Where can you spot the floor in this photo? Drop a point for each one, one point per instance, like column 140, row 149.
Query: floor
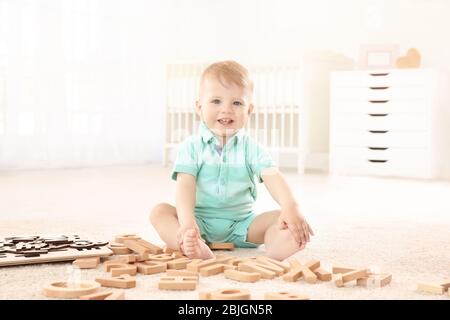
column 398, row 226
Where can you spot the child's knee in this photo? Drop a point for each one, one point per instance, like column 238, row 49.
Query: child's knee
column 288, row 248
column 158, row 212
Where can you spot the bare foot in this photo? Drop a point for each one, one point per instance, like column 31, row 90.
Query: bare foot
column 194, row 248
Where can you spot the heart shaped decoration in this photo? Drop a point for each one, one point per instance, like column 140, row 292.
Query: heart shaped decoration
column 411, row 60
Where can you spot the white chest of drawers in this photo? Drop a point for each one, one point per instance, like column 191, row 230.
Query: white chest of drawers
column 386, row 123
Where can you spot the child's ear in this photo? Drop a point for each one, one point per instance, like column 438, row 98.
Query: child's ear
column 198, row 107
column 250, row 108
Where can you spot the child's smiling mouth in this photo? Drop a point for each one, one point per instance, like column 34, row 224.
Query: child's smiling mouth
column 225, row 121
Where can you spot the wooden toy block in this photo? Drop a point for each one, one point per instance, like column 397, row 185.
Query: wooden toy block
column 169, row 250
column 230, row 294
column 445, row 284
column 113, row 264
column 342, row 279
column 121, row 238
column 285, row 296
column 119, row 248
column 226, row 294
column 129, row 269
column 117, row 268
column 249, row 260
column 322, row 274
column 151, row 267
column 67, row 290
column 118, row 295
column 203, row 295
column 374, row 280
column 196, row 261
column 162, row 257
column 178, row 254
column 274, row 268
column 429, row 287
column 177, row 283
column 212, row 270
column 221, row 246
column 251, row 267
column 173, row 272
column 237, row 261
column 123, row 281
column 141, row 257
column 133, row 245
column 125, row 258
column 242, row 276
column 179, row 263
column 293, row 275
column 97, row 296
column 309, row 276
column 196, row 266
column 313, row 264
column 229, row 267
column 153, row 249
column 341, row 269
column 224, row 259
column 87, row 263
column 285, row 266
column 306, row 271
column 383, row 280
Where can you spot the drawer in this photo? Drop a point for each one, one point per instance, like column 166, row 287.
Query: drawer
column 390, row 162
column 381, row 106
column 380, row 121
column 379, row 138
column 379, row 93
column 381, row 78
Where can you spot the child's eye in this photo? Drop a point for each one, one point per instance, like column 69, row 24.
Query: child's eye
column 216, row 101
column 237, row 103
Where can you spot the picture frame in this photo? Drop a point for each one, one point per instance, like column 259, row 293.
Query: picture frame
column 378, row 56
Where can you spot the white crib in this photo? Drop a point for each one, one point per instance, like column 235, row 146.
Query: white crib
column 278, row 121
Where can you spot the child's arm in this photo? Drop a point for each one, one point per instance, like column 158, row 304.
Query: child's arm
column 185, row 202
column 290, row 217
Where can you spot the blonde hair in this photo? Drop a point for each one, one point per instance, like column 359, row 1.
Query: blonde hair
column 227, row 72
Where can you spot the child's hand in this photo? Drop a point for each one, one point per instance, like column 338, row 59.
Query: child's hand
column 291, row 218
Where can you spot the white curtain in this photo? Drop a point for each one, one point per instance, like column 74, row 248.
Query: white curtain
column 81, row 82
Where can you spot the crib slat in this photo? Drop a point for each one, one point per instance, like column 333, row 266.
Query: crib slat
column 283, row 111
column 291, row 113
column 257, row 106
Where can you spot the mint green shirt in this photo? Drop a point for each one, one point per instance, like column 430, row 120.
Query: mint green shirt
column 226, row 185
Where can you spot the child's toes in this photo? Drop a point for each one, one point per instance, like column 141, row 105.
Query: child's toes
column 190, row 234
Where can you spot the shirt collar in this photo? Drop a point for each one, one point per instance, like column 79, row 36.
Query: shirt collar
column 208, row 136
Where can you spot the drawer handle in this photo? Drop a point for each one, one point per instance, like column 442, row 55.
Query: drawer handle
column 378, row 148
column 378, row 114
column 378, row 131
column 378, row 88
column 377, row 74
column 378, row 101
column 378, row 161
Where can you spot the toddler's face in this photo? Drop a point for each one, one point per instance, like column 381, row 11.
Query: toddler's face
column 224, row 109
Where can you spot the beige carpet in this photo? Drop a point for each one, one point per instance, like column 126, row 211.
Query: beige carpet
column 409, row 253
column 396, row 226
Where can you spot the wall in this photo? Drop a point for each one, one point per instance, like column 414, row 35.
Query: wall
column 85, row 78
